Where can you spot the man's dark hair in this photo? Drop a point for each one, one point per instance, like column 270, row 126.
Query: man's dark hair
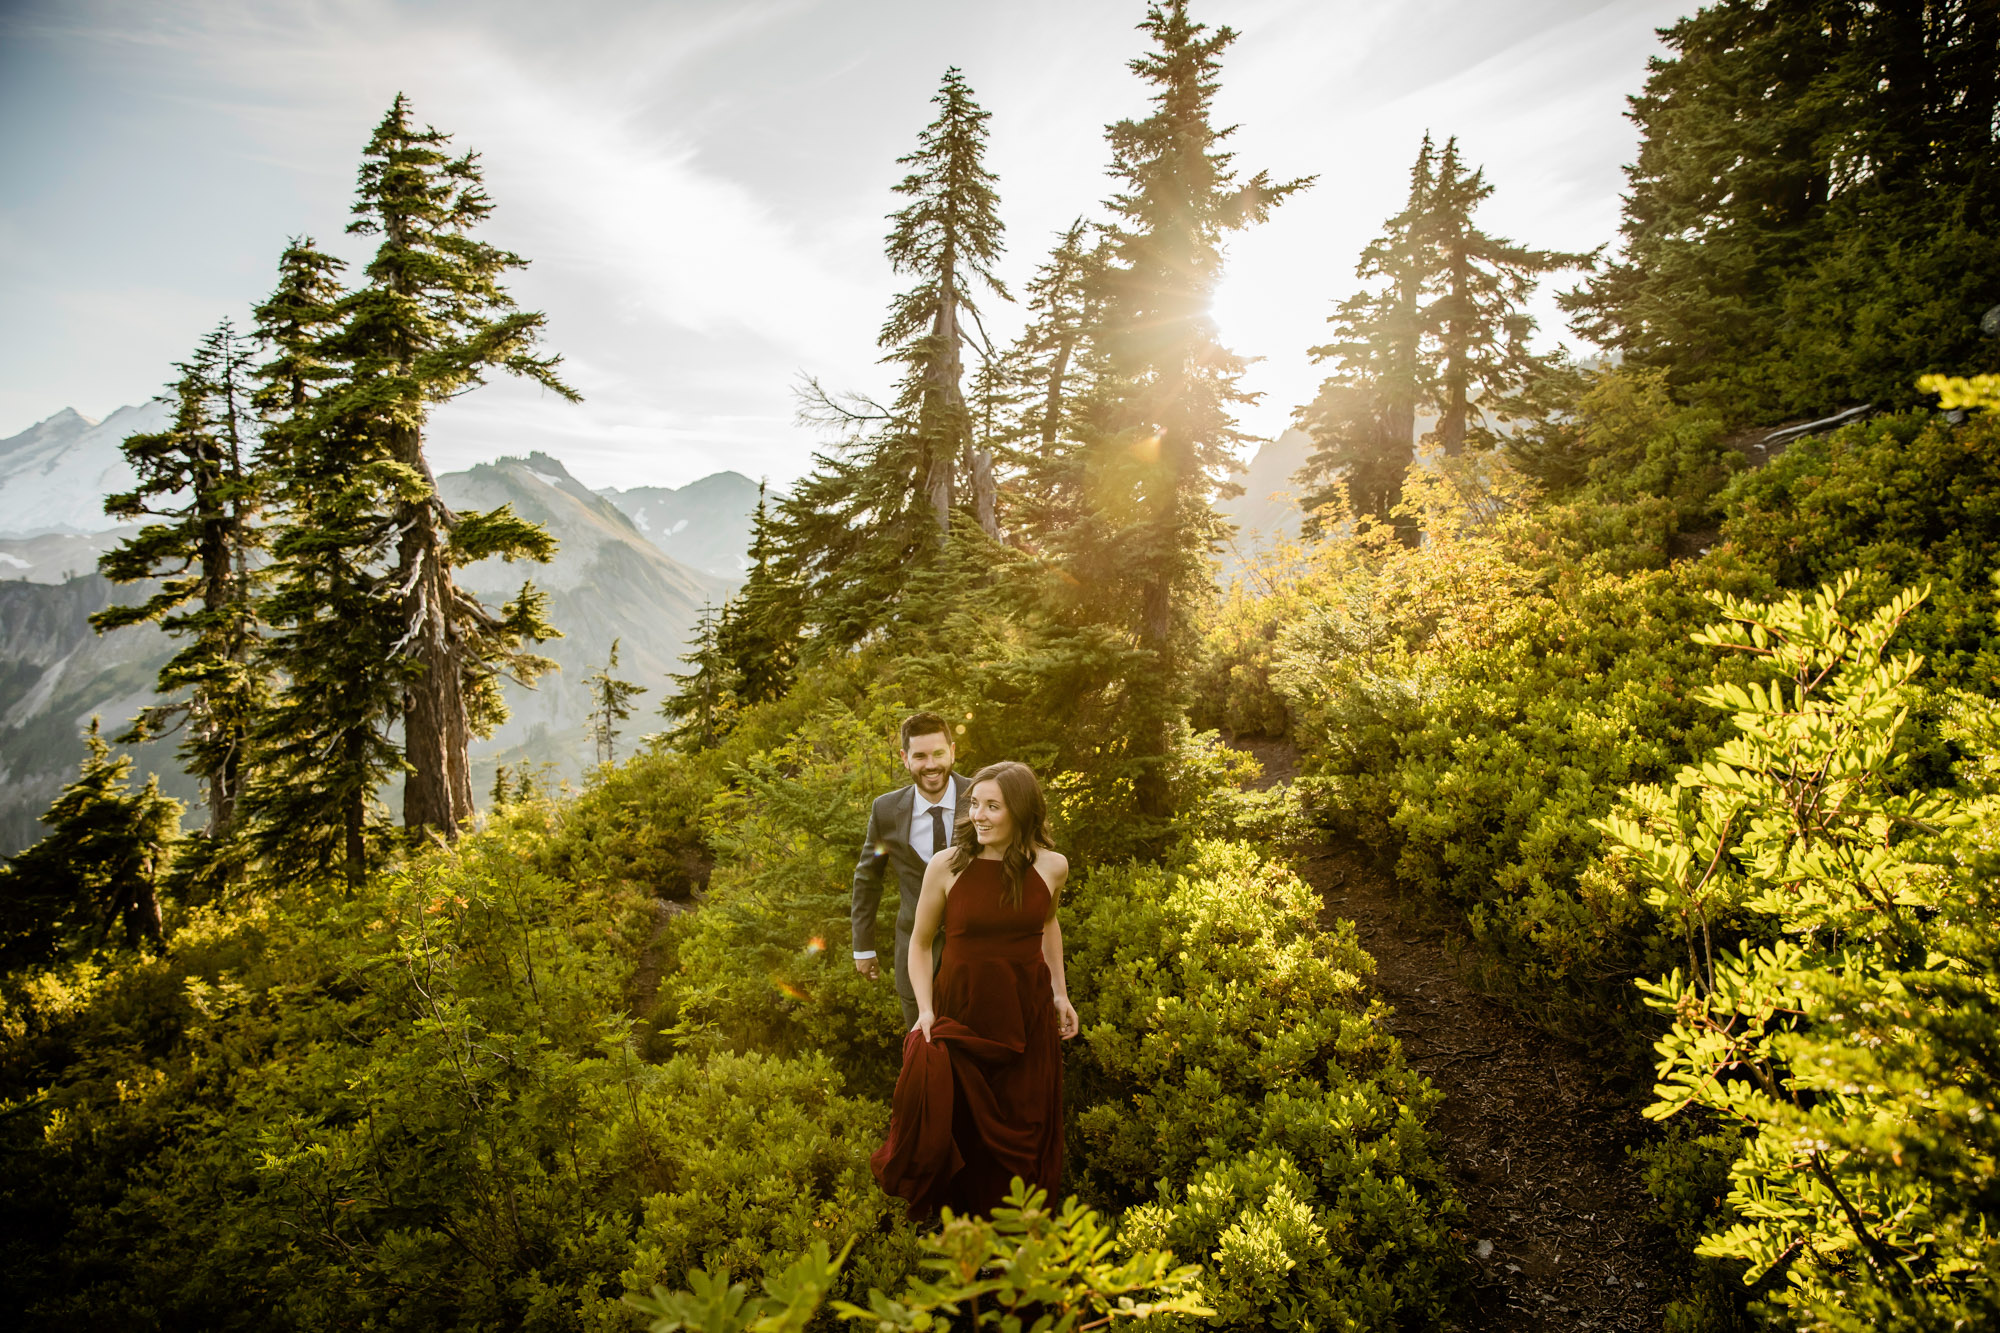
column 924, row 724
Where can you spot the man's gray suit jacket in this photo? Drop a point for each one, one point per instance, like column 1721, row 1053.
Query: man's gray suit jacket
column 887, row 848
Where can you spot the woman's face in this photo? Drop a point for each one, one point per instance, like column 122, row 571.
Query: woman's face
column 991, row 823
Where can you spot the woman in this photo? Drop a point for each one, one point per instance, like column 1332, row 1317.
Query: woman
column 979, row 1100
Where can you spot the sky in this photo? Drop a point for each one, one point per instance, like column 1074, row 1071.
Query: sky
column 701, row 186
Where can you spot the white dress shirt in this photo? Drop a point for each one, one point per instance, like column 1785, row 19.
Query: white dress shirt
column 920, row 821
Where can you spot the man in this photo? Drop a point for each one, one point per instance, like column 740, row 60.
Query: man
column 905, row 827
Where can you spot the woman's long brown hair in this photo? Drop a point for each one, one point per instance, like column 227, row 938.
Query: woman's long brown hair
column 1022, row 795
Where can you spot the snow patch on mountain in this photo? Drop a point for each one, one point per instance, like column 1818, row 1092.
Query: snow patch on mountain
column 55, row 474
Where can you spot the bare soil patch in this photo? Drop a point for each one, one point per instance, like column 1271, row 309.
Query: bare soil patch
column 1559, row 1234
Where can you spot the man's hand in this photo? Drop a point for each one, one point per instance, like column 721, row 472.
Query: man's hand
column 869, row 967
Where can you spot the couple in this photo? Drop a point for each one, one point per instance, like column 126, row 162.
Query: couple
column 979, row 969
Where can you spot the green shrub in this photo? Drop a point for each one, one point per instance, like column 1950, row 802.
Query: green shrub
column 419, row 1108
column 1908, row 500
column 1235, row 1086
column 764, row 964
column 1854, row 1044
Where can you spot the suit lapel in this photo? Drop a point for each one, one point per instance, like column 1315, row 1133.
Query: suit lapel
column 900, row 811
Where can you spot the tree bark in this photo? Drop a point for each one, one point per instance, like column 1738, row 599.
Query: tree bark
column 1451, row 430
column 355, row 846
column 947, row 404
column 985, row 493
column 437, row 794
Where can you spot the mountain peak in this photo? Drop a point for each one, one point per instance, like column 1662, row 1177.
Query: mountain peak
column 541, row 462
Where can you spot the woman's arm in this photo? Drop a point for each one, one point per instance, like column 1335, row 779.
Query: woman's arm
column 930, row 915
column 1054, row 870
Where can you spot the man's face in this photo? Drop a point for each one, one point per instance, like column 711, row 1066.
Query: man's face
column 929, row 760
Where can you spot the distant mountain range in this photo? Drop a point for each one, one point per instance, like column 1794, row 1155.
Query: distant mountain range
column 705, row 523
column 1268, row 510
column 55, row 474
column 609, row 579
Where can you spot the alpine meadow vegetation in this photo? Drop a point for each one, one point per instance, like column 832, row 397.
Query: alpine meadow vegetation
column 1661, row 682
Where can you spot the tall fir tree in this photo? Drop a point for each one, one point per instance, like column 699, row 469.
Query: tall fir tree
column 1813, row 215
column 760, row 631
column 1477, row 315
column 198, row 494
column 610, row 704
column 1055, row 367
column 1363, row 421
column 883, row 502
column 325, row 746
column 703, row 700
column 1157, row 445
column 430, row 323
column 99, row 865
column 1443, row 330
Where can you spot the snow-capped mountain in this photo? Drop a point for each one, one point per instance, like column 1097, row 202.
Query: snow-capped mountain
column 55, row 474
column 705, row 523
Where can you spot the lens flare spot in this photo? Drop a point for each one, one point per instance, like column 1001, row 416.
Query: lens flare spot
column 789, row 989
column 816, row 945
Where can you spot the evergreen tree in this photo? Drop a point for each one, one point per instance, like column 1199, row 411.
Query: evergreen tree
column 196, row 480
column 882, row 503
column 759, row 631
column 1055, row 368
column 325, row 744
column 429, row 324
column 1813, row 217
column 1444, row 329
column 1477, row 317
column 702, row 699
column 1363, row 421
column 610, row 704
column 98, row 866
column 1157, row 443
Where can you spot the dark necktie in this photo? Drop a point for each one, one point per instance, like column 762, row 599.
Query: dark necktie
column 940, row 836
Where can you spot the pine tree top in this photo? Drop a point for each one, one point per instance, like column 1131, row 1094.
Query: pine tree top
column 951, row 230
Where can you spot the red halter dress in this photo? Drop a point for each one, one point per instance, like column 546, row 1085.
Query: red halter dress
column 981, row 1102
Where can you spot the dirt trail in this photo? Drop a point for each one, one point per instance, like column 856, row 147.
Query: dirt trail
column 1558, row 1229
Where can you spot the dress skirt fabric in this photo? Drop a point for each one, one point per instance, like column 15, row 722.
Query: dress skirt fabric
column 981, row 1102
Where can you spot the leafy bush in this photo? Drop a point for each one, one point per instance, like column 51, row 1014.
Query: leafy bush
column 416, row 1109
column 1236, row 1088
column 1855, row 1044
column 764, row 965
column 1904, row 501
column 1025, row 1263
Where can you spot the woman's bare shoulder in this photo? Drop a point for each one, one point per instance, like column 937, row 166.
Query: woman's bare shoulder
column 1052, row 866
column 938, row 869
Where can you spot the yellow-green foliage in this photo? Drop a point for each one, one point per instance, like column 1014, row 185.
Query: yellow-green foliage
column 764, row 965
column 1854, row 1045
column 1237, row 1086
column 1058, row 1269
column 1233, row 689
column 419, row 1108
column 1906, row 500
